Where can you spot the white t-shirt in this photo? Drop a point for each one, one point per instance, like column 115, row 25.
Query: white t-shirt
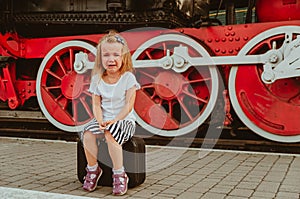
column 113, row 95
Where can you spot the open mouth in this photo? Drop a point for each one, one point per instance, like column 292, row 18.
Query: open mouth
column 111, row 66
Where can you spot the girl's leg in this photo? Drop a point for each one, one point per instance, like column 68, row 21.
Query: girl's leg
column 115, row 151
column 120, row 179
column 90, row 147
column 93, row 170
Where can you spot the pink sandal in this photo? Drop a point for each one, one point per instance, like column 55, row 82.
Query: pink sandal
column 120, row 184
column 91, row 179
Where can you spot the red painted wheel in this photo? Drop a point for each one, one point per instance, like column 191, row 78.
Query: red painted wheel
column 170, row 103
column 61, row 92
column 270, row 110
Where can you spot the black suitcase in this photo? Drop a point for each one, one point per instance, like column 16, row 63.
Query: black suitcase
column 134, row 162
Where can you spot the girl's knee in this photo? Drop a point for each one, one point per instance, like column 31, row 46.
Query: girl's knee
column 107, row 135
column 87, row 135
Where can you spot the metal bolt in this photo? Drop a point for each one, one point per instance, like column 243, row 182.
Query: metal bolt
column 273, row 58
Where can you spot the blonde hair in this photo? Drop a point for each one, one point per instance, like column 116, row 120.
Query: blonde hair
column 113, row 37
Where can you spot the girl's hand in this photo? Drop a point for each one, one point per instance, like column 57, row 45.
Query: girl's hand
column 103, row 125
column 109, row 122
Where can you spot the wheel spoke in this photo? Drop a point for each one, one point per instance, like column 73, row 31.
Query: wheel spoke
column 194, row 96
column 71, row 53
column 147, row 74
column 148, row 54
column 198, row 80
column 170, row 105
column 147, row 86
column 48, row 88
column 164, row 48
column 185, row 109
column 86, row 107
column 53, row 74
column 269, row 44
column 61, row 64
column 75, row 110
column 87, row 93
column 58, row 110
column 62, row 101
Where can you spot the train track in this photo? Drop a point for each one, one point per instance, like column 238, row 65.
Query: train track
column 32, row 124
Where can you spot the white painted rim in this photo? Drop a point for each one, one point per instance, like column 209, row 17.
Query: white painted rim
column 232, row 92
column 67, row 44
column 214, row 89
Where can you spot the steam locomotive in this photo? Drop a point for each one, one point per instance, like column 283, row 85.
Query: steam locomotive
column 196, row 60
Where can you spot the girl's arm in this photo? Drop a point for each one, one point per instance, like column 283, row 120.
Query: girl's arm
column 97, row 111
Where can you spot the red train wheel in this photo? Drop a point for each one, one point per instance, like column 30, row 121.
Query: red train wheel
column 171, row 103
column 61, row 92
column 270, row 110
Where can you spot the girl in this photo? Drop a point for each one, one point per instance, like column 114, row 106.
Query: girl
column 113, row 87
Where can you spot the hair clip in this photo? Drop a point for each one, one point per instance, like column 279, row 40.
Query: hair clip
column 119, row 39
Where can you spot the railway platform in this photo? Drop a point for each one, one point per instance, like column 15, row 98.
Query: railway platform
column 34, row 168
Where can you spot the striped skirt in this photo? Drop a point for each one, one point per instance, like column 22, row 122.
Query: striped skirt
column 121, row 130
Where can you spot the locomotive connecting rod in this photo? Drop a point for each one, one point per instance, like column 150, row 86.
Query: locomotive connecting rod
column 179, row 61
column 277, row 63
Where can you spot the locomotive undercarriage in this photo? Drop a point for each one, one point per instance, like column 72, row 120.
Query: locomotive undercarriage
column 277, row 63
column 44, row 18
column 189, row 76
column 91, row 23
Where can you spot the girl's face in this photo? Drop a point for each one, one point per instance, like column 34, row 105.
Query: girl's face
column 111, row 56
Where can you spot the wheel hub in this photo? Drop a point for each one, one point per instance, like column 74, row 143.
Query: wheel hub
column 286, row 90
column 71, row 85
column 167, row 85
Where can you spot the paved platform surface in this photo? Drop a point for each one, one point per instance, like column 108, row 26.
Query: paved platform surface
column 38, row 169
